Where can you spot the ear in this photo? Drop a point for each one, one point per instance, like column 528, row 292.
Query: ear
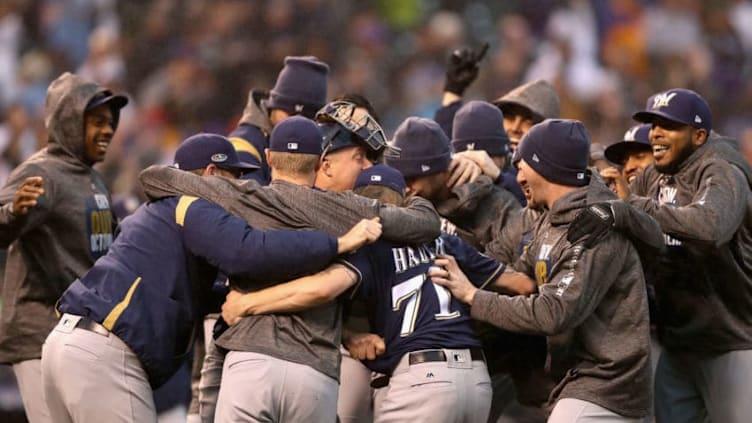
column 326, row 167
column 699, row 136
column 209, row 170
column 267, row 155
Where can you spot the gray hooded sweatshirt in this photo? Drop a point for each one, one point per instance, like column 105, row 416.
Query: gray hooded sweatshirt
column 703, row 284
column 591, row 304
column 61, row 237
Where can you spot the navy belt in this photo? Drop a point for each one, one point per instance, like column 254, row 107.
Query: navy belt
column 87, row 324
column 426, row 356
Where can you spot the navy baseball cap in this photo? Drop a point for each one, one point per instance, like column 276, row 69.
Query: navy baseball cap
column 382, row 175
column 203, row 149
column 637, row 138
column 296, row 134
column 678, row 105
column 116, row 101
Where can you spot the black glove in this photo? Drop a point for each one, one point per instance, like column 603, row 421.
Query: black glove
column 591, row 225
column 462, row 68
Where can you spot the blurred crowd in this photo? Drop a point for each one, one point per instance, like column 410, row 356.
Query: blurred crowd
column 188, row 65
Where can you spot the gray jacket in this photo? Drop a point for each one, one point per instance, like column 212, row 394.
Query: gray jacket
column 310, row 337
column 474, row 208
column 703, row 283
column 592, row 305
column 61, row 237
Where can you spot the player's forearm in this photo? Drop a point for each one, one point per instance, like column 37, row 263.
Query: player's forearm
column 303, row 293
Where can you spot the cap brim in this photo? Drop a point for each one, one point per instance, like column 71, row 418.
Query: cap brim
column 241, row 165
column 616, row 153
column 503, row 103
column 646, row 116
column 116, row 101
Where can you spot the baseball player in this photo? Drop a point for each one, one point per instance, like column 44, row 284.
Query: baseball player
column 290, row 201
column 478, row 133
column 698, row 190
column 633, row 155
column 591, row 302
column 433, row 368
column 55, row 220
column 127, row 322
column 300, row 89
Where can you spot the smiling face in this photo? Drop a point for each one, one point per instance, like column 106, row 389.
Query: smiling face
column 673, row 142
column 98, row 132
column 533, row 185
column 517, row 121
column 635, row 163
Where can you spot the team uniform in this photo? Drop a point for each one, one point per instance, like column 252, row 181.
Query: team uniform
column 56, row 241
column 433, row 365
column 128, row 323
column 286, row 340
column 702, row 284
column 592, row 305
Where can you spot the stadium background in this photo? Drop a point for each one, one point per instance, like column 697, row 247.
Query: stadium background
column 188, row 65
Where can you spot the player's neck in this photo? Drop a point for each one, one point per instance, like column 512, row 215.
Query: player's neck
column 297, row 179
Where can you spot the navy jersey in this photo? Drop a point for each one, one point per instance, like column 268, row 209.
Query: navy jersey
column 142, row 291
column 409, row 311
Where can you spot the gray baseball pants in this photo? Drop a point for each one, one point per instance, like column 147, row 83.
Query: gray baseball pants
column 355, row 402
column 29, row 378
column 260, row 388
column 571, row 410
column 690, row 388
column 91, row 377
column 456, row 390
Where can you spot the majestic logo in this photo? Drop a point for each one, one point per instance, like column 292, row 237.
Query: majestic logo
column 375, row 178
column 471, row 146
column 219, row 158
column 425, row 168
column 662, row 100
column 298, row 108
column 292, row 146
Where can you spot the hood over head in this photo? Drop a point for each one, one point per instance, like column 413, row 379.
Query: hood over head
column 67, row 99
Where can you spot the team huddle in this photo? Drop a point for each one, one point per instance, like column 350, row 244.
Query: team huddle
column 477, row 267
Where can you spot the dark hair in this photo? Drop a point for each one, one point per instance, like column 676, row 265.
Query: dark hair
column 360, row 101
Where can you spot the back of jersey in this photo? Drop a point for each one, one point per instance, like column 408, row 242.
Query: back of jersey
column 409, row 311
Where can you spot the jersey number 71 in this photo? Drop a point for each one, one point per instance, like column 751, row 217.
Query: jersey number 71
column 409, row 292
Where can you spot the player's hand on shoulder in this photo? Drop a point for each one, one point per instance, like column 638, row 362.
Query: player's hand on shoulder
column 364, row 346
column 364, row 232
column 447, row 273
column 27, row 194
column 591, row 224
